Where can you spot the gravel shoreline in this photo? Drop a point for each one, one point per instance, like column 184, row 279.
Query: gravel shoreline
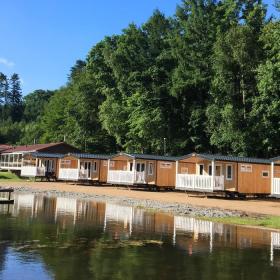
column 148, row 204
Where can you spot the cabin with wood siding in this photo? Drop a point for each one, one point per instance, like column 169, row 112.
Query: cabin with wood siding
column 40, row 165
column 210, row 173
column 142, row 170
column 83, row 167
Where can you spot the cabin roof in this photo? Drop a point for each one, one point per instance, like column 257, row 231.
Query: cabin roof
column 46, row 155
column 228, row 158
column 148, row 157
column 33, row 148
column 275, row 159
column 89, row 156
column 4, row 147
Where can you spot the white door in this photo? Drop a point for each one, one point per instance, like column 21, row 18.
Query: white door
column 85, row 167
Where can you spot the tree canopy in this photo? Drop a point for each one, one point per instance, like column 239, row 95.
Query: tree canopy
column 206, row 80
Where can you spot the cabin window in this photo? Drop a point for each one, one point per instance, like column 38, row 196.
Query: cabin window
column 201, row 167
column 229, row 172
column 246, row 168
column 265, row 173
column 105, row 163
column 130, row 166
column 94, row 166
column 140, row 167
column 65, row 163
column 151, row 169
column 209, row 170
column 167, row 165
column 112, row 163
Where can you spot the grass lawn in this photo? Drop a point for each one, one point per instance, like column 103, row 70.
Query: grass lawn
column 9, row 177
column 266, row 221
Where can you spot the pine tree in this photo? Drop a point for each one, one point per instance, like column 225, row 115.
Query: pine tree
column 15, row 98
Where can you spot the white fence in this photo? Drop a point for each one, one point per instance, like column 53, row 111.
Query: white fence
column 32, row 171
column 68, row 174
column 84, row 174
column 276, row 186
column 126, row 177
column 199, row 182
column 275, row 239
column 192, row 225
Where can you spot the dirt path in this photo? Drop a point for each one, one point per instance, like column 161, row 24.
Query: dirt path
column 248, row 206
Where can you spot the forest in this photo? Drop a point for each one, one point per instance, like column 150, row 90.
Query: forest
column 206, row 80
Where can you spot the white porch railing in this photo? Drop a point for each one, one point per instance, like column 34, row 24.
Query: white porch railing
column 83, row 175
column 276, row 186
column 32, row 171
column 121, row 177
column 275, row 239
column 199, row 182
column 68, row 174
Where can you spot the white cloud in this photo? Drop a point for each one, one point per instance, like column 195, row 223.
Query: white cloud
column 6, row 62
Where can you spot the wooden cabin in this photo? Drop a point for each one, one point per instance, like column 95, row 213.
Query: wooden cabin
column 40, row 165
column 12, row 158
column 142, row 170
column 83, row 167
column 210, row 173
column 275, row 176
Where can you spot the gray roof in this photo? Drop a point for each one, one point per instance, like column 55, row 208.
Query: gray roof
column 89, row 156
column 46, row 155
column 228, row 158
column 148, row 157
column 275, row 158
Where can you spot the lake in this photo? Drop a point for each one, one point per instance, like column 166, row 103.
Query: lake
column 65, row 238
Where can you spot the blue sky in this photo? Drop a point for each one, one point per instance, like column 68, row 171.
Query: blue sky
column 42, row 39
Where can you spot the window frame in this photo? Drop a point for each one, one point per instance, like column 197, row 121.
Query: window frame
column 265, row 171
column 227, row 173
column 150, row 168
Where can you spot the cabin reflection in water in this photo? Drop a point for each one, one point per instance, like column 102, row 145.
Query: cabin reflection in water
column 275, row 249
column 123, row 222
column 198, row 230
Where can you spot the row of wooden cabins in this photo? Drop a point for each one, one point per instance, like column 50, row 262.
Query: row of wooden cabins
column 193, row 172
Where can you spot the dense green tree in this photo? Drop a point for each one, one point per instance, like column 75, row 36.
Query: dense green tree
column 266, row 106
column 34, row 104
column 206, row 80
column 14, row 99
column 237, row 54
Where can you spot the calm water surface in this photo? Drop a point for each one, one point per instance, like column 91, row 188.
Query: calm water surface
column 60, row 238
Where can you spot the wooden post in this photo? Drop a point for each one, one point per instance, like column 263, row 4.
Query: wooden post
column 213, row 175
column 272, row 175
column 134, row 171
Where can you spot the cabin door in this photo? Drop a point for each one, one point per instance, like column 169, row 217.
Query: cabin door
column 86, row 169
column 49, row 165
column 140, row 172
column 218, row 170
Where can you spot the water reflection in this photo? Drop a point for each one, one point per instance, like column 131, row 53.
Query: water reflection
column 81, row 233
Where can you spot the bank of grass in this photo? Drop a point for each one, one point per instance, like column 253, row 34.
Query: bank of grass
column 261, row 221
column 9, row 177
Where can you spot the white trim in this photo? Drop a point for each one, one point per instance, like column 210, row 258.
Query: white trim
column 246, row 168
column 229, row 178
column 150, row 164
column 198, row 169
column 272, row 177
